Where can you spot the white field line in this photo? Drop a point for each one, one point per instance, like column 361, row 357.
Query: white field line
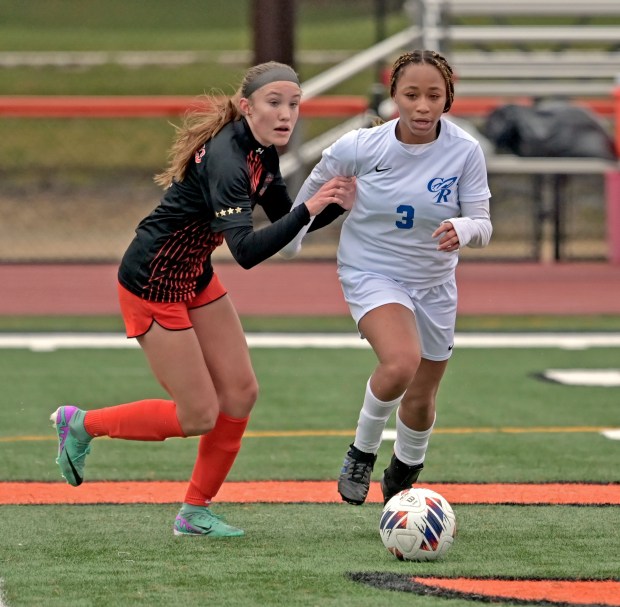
column 2, row 602
column 12, row 59
column 610, row 433
column 48, row 342
column 585, row 377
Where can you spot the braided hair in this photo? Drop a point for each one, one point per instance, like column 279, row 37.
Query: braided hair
column 418, row 57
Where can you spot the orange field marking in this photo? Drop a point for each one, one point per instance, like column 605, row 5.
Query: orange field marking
column 541, row 591
column 165, row 492
column 575, row 592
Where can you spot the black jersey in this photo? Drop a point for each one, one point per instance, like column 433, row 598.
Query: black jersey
column 169, row 260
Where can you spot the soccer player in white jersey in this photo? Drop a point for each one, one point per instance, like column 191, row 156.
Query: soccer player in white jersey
column 422, row 194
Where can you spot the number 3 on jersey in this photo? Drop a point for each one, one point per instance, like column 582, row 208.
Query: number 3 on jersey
column 406, row 212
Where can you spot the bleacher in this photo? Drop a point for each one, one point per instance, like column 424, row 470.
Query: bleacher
column 525, row 47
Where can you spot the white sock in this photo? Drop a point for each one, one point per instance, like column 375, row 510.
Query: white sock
column 372, row 420
column 410, row 446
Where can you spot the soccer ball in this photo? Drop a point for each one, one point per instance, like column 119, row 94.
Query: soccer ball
column 417, row 524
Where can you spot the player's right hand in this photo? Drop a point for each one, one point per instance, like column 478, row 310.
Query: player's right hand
column 338, row 190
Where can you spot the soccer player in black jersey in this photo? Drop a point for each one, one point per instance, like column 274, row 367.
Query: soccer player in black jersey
column 223, row 163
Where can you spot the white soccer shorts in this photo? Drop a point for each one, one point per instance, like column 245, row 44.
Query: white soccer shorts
column 434, row 308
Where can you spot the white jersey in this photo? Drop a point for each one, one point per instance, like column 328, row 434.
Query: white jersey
column 403, row 194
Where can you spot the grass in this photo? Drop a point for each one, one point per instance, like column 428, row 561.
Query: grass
column 34, row 381
column 292, row 555
column 300, row 553
column 117, row 26
column 322, row 324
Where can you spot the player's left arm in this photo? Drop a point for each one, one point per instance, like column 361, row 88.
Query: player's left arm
column 228, row 190
column 473, row 227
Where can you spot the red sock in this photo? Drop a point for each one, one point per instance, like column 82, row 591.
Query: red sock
column 217, row 452
column 147, row 420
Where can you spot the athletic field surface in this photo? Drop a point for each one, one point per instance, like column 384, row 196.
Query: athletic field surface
column 526, row 450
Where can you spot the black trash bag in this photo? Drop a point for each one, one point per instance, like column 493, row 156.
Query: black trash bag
column 550, row 128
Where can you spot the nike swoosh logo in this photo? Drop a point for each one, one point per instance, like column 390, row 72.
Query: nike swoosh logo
column 450, row 347
column 207, row 529
column 78, row 478
column 381, row 170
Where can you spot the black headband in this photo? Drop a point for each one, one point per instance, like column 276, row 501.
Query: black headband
column 274, row 74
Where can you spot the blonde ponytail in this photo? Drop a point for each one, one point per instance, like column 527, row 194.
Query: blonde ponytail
column 198, row 127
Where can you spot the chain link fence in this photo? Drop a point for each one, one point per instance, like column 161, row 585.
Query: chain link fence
column 73, row 189
column 64, row 200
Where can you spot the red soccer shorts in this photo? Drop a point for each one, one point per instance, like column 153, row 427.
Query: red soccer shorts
column 140, row 314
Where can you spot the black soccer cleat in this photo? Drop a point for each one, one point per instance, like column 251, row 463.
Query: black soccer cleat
column 397, row 477
column 354, row 479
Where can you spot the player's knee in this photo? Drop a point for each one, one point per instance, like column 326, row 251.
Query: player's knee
column 419, row 415
column 401, row 370
column 239, row 400
column 200, row 421
column 248, row 396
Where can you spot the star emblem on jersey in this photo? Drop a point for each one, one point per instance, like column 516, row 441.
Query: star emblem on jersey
column 225, row 212
column 381, row 169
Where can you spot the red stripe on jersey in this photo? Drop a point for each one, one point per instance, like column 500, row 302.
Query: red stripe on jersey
column 255, row 168
column 180, row 262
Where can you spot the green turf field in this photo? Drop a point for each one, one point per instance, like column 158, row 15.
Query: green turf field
column 497, row 422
